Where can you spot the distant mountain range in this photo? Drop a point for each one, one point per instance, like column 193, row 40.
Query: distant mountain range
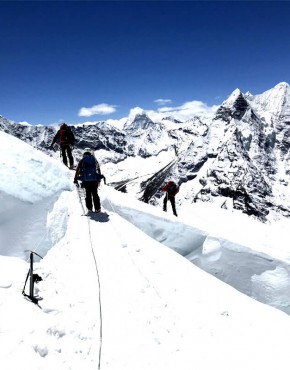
column 238, row 157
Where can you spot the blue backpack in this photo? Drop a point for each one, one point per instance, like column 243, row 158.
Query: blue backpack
column 88, row 170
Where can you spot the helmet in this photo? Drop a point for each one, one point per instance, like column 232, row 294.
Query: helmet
column 87, row 151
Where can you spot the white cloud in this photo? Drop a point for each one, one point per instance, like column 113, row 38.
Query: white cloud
column 163, row 101
column 183, row 112
column 101, row 109
column 118, row 123
column 189, row 109
column 136, row 110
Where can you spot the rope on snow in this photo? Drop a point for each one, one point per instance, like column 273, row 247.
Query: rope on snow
column 79, row 191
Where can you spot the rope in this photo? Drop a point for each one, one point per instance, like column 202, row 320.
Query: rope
column 99, row 284
column 120, row 184
column 36, row 247
column 163, row 301
column 129, row 253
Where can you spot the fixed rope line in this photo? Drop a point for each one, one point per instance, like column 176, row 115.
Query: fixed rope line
column 99, row 285
column 128, row 251
column 126, row 182
column 36, row 247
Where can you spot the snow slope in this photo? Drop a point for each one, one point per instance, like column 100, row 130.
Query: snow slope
column 113, row 296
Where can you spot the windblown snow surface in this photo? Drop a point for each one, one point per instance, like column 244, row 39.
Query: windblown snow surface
column 125, row 289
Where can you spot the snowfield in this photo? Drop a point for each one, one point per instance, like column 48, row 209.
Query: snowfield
column 116, row 294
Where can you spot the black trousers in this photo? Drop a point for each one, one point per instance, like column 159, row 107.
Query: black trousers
column 66, row 150
column 92, row 196
column 172, row 201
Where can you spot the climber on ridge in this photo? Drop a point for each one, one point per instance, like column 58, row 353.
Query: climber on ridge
column 171, row 189
column 88, row 171
column 66, row 139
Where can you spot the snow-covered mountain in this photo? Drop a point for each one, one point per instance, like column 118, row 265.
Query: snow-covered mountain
column 115, row 294
column 238, row 157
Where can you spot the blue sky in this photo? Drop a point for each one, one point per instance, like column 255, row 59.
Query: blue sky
column 59, row 57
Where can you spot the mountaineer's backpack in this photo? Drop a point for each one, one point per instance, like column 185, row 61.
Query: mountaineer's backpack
column 66, row 135
column 172, row 188
column 89, row 169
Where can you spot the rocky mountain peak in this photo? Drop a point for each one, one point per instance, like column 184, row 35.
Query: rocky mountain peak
column 171, row 119
column 232, row 98
column 139, row 121
column 234, row 107
column 282, row 85
column 275, row 101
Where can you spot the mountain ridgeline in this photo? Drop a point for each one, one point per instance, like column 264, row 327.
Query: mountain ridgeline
column 238, row 157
